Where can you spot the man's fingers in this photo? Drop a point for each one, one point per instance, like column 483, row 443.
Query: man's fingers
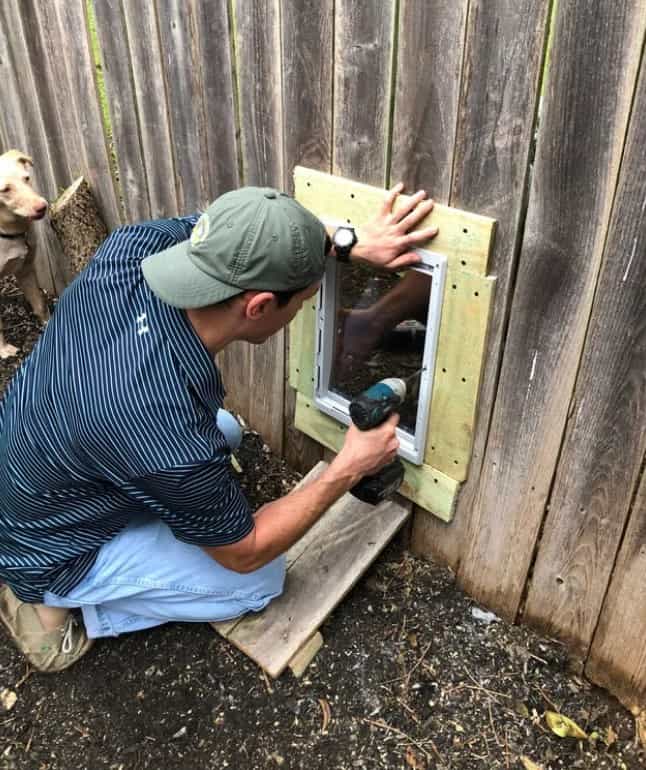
column 410, row 204
column 420, row 236
column 403, row 260
column 391, row 196
column 416, row 215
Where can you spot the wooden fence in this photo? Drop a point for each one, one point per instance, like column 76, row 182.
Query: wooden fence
column 529, row 111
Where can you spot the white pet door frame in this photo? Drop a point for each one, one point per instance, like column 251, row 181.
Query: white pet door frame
column 412, row 446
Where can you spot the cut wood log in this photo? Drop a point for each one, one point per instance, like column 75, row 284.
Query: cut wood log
column 78, row 224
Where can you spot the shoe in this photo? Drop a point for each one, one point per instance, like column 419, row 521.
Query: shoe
column 47, row 651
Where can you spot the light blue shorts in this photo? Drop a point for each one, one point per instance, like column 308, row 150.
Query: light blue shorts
column 144, row 577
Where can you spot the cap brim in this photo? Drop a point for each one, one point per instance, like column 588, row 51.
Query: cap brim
column 174, row 279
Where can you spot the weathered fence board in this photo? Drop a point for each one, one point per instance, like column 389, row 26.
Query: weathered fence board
column 363, row 49
column 496, row 123
column 606, row 439
column 258, row 68
column 186, row 114
column 578, row 154
column 307, row 134
column 152, row 107
column 221, row 161
column 429, row 61
column 618, row 655
column 122, row 101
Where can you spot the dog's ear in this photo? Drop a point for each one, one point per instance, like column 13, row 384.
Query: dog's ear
column 19, row 157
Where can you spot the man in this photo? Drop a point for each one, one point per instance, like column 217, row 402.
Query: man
column 116, row 494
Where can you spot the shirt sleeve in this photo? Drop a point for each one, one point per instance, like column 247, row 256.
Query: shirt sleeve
column 202, row 503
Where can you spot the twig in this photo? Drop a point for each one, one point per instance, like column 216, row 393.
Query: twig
column 409, row 709
column 493, row 727
column 547, row 700
column 270, row 689
column 419, row 661
column 385, row 726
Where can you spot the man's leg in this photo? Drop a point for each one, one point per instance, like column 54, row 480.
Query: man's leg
column 145, row 577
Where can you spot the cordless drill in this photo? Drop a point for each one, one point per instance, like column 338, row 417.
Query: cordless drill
column 368, row 410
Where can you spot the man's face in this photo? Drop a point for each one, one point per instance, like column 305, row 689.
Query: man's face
column 276, row 318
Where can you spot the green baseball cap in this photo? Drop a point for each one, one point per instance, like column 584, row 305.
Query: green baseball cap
column 251, row 238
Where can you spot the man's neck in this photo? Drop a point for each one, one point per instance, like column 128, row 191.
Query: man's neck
column 216, row 326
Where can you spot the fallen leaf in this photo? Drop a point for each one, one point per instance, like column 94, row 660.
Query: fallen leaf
column 521, row 709
column 610, row 736
column 8, row 699
column 327, row 713
column 563, row 726
column 414, row 760
column 529, row 765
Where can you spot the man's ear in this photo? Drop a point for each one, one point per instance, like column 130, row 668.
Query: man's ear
column 258, row 304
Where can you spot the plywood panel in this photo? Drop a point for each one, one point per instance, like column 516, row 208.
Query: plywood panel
column 606, row 436
column 593, row 68
column 428, row 487
column 465, row 313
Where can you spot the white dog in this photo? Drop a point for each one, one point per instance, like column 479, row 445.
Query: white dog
column 19, row 207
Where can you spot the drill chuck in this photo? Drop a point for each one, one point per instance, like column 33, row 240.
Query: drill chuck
column 370, row 408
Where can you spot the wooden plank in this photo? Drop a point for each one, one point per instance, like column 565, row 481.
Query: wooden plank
column 235, row 364
column 122, row 103
column 606, row 437
column 428, row 487
column 466, row 310
column 178, row 25
column 152, row 107
column 257, row 43
column 593, row 69
column 460, row 356
column 307, row 84
column 307, row 69
column 429, row 62
column 222, row 173
column 618, row 654
column 299, row 663
column 349, row 537
column 493, row 146
column 465, row 238
column 363, row 50
column 82, row 100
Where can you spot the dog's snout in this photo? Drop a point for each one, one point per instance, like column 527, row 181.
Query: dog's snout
column 40, row 210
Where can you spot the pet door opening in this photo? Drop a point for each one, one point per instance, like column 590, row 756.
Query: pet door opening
column 373, row 325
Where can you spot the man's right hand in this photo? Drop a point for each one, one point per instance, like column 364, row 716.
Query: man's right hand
column 364, row 452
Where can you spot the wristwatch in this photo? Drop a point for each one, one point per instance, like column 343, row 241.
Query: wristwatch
column 344, row 239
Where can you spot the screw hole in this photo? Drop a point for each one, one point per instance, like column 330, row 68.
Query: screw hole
column 476, row 293
column 308, row 184
column 532, row 489
column 348, row 221
column 465, row 230
column 436, row 481
column 352, row 195
column 560, row 580
column 456, row 462
column 463, row 379
column 444, row 370
column 432, row 449
column 455, row 286
column 298, row 371
column 462, row 262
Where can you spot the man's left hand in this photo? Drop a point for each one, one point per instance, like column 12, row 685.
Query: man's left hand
column 387, row 242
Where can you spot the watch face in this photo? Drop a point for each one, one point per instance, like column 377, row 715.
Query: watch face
column 343, row 237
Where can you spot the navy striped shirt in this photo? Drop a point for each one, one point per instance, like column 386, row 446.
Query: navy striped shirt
column 112, row 416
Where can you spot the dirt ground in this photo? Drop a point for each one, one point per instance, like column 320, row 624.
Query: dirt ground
column 409, row 677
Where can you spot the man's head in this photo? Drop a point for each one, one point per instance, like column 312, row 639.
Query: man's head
column 252, row 239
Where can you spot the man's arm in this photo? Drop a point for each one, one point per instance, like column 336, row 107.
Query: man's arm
column 279, row 524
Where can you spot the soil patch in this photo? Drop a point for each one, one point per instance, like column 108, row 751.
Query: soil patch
column 412, row 675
